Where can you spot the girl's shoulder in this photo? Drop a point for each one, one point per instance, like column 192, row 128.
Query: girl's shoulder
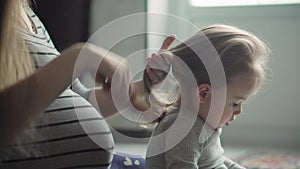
column 191, row 124
column 183, row 120
column 182, row 116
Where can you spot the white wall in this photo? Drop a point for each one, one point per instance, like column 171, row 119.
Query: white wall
column 272, row 117
column 104, row 12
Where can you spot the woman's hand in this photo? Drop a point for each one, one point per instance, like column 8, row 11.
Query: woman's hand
column 112, row 71
column 158, row 65
column 156, row 70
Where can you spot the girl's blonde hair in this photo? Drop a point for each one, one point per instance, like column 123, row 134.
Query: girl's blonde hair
column 241, row 54
column 15, row 61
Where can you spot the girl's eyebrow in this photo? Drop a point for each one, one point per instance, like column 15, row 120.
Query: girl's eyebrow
column 240, row 98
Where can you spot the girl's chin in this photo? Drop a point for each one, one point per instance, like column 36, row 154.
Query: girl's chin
column 224, row 124
column 227, row 123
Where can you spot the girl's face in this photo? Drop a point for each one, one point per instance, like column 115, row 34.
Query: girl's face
column 238, row 90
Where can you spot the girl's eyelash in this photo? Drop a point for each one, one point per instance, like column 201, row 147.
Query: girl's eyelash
column 234, row 104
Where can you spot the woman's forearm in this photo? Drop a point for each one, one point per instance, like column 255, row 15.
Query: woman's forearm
column 102, row 99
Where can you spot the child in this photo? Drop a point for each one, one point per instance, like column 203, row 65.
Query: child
column 243, row 57
column 46, row 129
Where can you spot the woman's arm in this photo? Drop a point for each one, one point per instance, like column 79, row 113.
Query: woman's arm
column 102, row 99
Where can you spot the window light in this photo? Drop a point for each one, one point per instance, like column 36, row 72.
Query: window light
column 220, row 3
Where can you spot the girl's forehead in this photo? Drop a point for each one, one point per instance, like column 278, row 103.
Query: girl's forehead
column 241, row 86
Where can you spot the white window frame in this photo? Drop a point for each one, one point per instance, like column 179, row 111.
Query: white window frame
column 223, row 3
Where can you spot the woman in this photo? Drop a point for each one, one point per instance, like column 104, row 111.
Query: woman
column 41, row 115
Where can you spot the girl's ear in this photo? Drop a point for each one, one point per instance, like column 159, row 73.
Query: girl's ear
column 204, row 92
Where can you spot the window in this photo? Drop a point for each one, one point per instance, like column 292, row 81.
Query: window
column 219, row 3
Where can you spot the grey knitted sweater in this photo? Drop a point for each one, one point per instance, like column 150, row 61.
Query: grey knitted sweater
column 194, row 151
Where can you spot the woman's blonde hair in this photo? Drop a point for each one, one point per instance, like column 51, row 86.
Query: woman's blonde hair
column 15, row 61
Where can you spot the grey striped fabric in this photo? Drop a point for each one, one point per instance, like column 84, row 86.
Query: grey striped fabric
column 58, row 140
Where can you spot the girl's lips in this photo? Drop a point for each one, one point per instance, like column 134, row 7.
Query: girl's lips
column 229, row 122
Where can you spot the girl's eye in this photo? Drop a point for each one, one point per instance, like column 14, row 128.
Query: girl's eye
column 234, row 104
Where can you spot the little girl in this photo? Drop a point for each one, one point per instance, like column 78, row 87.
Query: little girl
column 243, row 57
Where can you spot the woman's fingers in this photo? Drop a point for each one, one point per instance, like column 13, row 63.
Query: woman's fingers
column 162, row 60
column 159, row 61
column 167, row 42
column 158, row 64
column 153, row 77
column 158, row 67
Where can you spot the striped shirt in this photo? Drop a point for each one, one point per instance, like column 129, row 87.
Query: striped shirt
column 58, row 140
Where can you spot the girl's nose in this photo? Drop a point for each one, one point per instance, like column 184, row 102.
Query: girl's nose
column 239, row 110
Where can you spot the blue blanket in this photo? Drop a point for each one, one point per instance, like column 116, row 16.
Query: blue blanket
column 127, row 161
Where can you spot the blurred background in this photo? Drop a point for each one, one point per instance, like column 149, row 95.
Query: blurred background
column 270, row 120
